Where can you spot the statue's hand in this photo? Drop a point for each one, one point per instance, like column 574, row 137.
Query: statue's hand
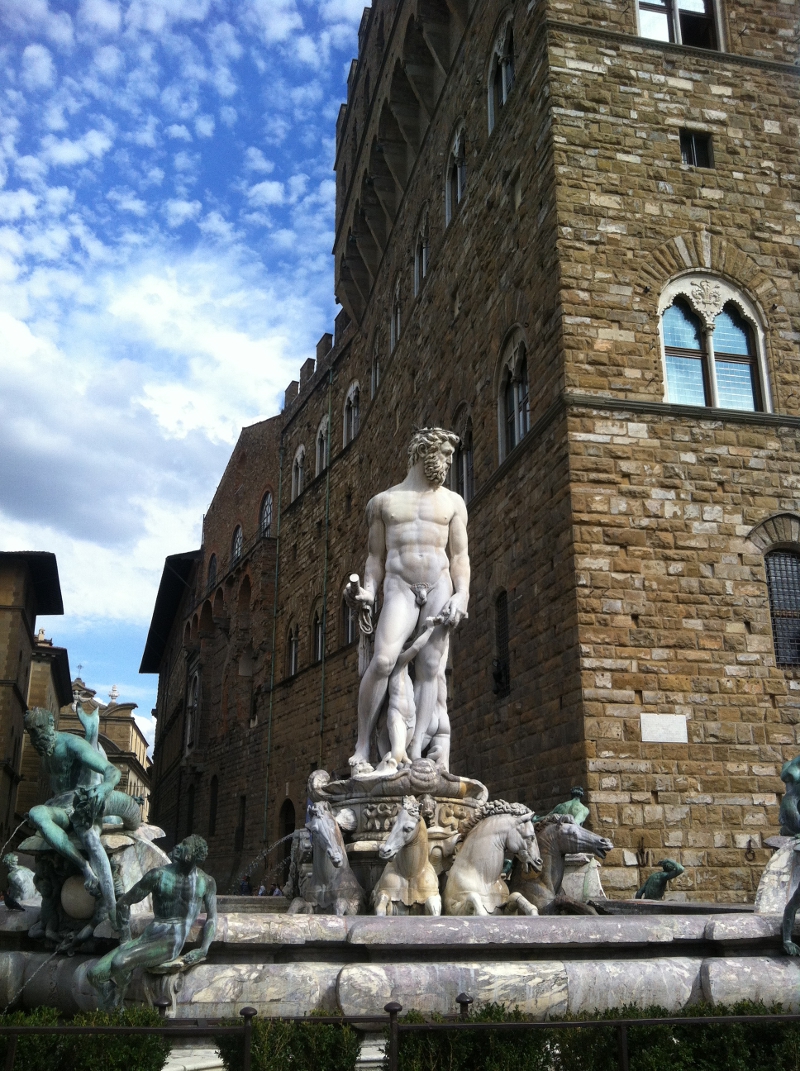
column 197, row 955
column 453, row 612
column 355, row 596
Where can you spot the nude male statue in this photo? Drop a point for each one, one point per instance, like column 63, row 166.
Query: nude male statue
column 81, row 779
column 418, row 552
column 179, row 890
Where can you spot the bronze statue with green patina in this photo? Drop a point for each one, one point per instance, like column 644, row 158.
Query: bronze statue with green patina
column 82, row 781
column 656, row 885
column 179, row 890
column 574, row 806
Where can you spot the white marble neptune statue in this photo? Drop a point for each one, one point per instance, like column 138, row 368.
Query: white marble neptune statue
column 418, row 552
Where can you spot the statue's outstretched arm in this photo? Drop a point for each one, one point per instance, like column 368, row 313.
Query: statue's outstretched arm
column 95, row 761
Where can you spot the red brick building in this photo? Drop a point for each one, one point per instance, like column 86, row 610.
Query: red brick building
column 570, row 232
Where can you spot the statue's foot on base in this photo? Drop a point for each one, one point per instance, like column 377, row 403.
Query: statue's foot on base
column 359, row 766
column 90, row 883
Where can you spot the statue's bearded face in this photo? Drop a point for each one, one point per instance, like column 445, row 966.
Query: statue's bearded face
column 43, row 739
column 437, row 463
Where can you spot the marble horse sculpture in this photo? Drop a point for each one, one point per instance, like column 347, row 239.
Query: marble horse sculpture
column 475, row 886
column 333, row 888
column 408, row 879
column 558, row 835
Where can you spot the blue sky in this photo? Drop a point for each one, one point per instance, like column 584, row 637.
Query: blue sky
column 166, row 221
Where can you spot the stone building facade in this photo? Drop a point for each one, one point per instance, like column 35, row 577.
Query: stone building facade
column 32, row 673
column 568, row 230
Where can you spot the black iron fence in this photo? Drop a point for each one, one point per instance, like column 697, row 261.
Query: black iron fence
column 391, row 1025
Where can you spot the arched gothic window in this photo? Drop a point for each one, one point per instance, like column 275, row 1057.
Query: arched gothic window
column 265, row 517
column 237, row 543
column 212, row 806
column 501, row 672
column 421, row 254
column 192, row 710
column 293, row 651
column 349, row 623
column 318, row 637
column 513, row 404
column 783, row 584
column 298, row 472
column 394, row 322
column 352, row 416
column 461, row 470
column 322, row 446
column 713, row 346
column 212, row 571
column 501, row 73
column 456, row 178
column 375, row 376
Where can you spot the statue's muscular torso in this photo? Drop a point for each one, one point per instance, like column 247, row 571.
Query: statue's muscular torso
column 416, row 531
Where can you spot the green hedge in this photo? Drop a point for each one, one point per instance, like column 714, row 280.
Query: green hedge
column 731, row 1047
column 80, row 1052
column 299, row 1046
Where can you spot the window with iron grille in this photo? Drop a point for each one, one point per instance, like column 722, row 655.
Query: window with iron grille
column 266, row 514
column 783, row 584
column 500, row 665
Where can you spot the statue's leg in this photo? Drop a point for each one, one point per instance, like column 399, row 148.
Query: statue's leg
column 433, row 905
column 787, row 926
column 429, row 667
column 397, row 622
column 145, row 951
column 52, row 823
column 102, row 873
column 518, row 905
column 381, row 903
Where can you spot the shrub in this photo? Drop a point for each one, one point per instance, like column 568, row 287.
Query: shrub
column 81, row 1052
column 300, row 1046
column 704, row 1047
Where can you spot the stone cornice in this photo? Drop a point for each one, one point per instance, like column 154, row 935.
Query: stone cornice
column 601, row 403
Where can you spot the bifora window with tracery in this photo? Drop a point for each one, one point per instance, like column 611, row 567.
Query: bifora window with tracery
column 713, row 346
column 501, row 73
column 685, row 22
column 513, row 401
column 265, row 521
column 456, row 178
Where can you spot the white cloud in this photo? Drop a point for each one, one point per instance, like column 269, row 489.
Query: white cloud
column 204, row 126
column 15, row 204
column 255, row 160
column 34, row 18
column 179, row 212
column 156, row 16
column 66, row 152
column 274, row 19
column 38, row 70
column 127, row 201
column 266, row 193
column 108, row 60
column 228, row 115
column 100, row 15
column 178, row 131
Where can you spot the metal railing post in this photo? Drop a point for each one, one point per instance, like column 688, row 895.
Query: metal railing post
column 11, row 1052
column 162, row 1006
column 622, row 1047
column 463, row 1000
column 248, row 1014
column 393, row 1009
